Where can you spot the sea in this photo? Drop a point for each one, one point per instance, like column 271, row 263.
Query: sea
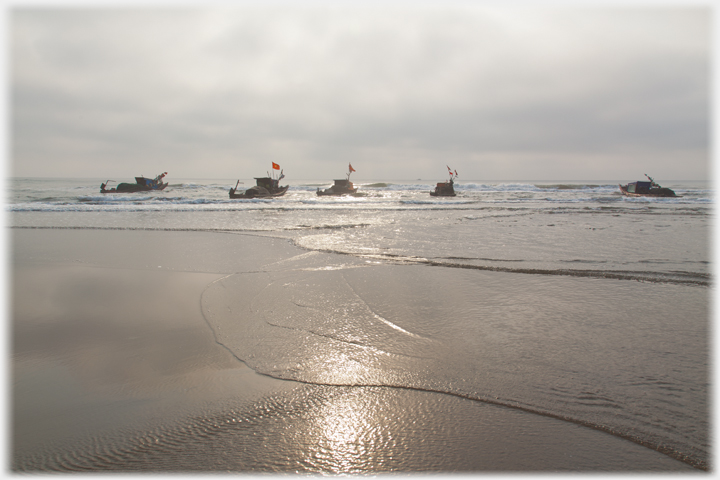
column 559, row 298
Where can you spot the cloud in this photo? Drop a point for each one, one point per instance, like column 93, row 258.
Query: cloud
column 222, row 92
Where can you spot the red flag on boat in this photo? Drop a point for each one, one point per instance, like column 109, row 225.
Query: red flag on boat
column 350, row 167
column 275, row 166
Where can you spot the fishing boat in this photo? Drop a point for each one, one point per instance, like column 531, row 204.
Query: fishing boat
column 341, row 187
column 445, row 189
column 141, row 184
column 646, row 189
column 264, row 187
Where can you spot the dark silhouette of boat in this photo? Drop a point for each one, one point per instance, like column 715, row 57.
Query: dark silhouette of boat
column 646, row 189
column 341, row 187
column 264, row 187
column 445, row 189
column 141, row 184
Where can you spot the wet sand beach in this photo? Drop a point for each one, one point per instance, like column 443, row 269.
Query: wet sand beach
column 126, row 357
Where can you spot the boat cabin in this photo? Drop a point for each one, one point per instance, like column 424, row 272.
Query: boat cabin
column 266, row 182
column 639, row 187
column 444, row 189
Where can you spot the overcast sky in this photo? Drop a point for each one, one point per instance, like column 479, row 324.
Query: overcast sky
column 400, row 91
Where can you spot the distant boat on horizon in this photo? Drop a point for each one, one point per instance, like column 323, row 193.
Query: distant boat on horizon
column 141, row 184
column 445, row 189
column 646, row 189
column 341, row 187
column 264, row 186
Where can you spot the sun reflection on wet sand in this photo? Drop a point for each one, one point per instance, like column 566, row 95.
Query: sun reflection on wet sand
column 458, row 332
column 343, row 369
column 345, row 437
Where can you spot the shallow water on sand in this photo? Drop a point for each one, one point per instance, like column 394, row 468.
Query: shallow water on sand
column 346, row 430
column 576, row 349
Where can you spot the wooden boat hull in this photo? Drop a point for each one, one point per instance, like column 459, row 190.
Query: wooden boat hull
column 653, row 192
column 332, row 192
column 132, row 187
column 258, row 192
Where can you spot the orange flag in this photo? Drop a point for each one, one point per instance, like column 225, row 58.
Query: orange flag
column 350, row 167
column 275, row 166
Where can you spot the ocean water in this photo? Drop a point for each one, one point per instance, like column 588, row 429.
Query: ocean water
column 563, row 299
column 580, row 229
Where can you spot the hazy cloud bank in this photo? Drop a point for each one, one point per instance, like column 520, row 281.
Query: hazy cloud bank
column 498, row 93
